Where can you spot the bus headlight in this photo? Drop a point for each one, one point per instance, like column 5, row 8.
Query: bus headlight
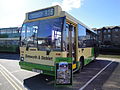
column 22, row 59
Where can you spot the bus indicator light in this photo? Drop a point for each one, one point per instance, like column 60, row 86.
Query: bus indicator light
column 58, row 54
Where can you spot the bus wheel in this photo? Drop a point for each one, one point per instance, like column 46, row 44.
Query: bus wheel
column 94, row 59
column 81, row 65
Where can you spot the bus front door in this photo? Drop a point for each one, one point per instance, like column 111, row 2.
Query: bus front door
column 71, row 43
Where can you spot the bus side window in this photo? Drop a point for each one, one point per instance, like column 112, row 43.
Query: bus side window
column 81, row 36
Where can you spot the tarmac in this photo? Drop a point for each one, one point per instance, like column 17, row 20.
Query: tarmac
column 113, row 83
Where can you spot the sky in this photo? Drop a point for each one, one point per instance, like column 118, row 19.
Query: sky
column 93, row 13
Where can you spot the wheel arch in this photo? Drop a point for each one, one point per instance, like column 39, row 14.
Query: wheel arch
column 82, row 59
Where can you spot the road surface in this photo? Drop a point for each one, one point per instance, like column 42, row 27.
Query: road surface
column 103, row 74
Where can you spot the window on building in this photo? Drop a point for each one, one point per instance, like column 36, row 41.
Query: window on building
column 116, row 36
column 105, row 36
column 109, row 36
column 109, row 30
column 105, row 31
column 100, row 39
column 98, row 31
column 95, row 31
column 116, row 30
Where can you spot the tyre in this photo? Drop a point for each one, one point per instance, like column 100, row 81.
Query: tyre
column 94, row 59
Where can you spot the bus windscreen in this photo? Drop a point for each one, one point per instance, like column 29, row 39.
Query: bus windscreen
column 44, row 34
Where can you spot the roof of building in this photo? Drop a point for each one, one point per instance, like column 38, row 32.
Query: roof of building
column 106, row 27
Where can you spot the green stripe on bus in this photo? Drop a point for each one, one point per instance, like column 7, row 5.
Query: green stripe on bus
column 64, row 59
column 48, row 70
column 92, row 51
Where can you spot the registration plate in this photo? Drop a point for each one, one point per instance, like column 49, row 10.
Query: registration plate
column 38, row 71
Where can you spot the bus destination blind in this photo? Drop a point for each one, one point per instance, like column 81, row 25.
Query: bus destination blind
column 41, row 13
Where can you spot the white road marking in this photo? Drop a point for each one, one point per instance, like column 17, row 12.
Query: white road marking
column 9, row 81
column 12, row 75
column 96, row 75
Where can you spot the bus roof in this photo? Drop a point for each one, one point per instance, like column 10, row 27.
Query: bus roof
column 71, row 18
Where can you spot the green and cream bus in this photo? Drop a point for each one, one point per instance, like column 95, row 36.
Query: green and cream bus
column 9, row 39
column 50, row 33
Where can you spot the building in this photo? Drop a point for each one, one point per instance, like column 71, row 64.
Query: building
column 9, row 39
column 109, row 35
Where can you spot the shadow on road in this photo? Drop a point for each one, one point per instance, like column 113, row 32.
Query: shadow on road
column 44, row 82
column 39, row 82
column 9, row 56
column 92, row 69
